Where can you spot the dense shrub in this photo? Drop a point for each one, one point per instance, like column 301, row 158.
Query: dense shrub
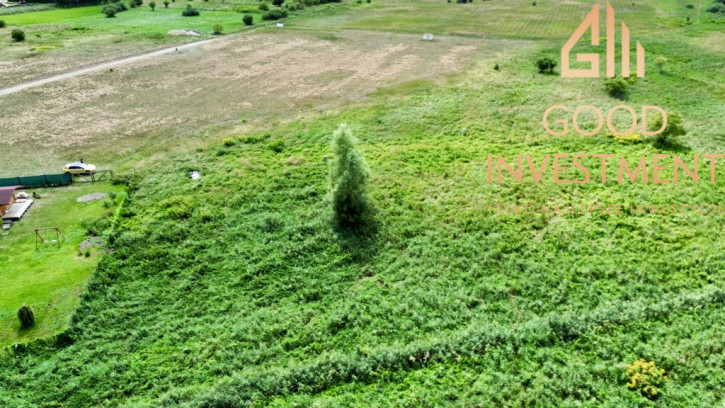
column 674, row 129
column 166, row 3
column 348, row 179
column 2, row 23
column 190, row 11
column 217, row 30
column 18, row 35
column 275, row 15
column 690, row 6
column 153, row 6
column 616, row 87
column 26, row 317
column 109, row 11
column 277, row 146
column 545, row 64
column 264, row 6
column 248, row 19
column 277, row 2
column 716, row 8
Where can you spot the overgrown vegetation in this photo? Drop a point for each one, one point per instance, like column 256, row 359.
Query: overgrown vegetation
column 233, row 290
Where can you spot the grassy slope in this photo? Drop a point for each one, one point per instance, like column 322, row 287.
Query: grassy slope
column 49, row 279
column 233, row 289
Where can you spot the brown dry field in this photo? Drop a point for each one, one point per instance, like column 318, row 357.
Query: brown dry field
column 114, row 117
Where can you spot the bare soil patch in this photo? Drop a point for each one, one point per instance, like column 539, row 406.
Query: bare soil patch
column 112, row 114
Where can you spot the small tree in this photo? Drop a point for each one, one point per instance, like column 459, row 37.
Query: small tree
column 152, row 5
column 674, row 129
column 166, row 3
column 264, row 6
column 217, row 29
column 546, row 64
column 348, row 179
column 2, row 23
column 18, row 35
column 277, row 2
column 248, row 19
column 26, row 317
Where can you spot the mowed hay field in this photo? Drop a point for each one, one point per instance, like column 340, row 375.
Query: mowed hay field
column 235, row 290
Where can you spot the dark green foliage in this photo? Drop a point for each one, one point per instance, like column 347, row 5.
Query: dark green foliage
column 496, row 67
column 17, row 35
column 166, row 3
column 264, row 6
column 248, row 19
column 2, row 23
column 276, row 14
column 26, row 317
column 217, row 29
column 190, row 11
column 546, row 64
column 152, row 5
column 716, row 8
column 348, row 180
column 277, row 2
column 109, row 11
column 616, row 87
column 690, row 6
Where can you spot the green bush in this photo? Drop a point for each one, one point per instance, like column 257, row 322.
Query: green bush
column 217, row 30
column 2, row 23
column 190, row 11
column 277, row 146
column 546, row 64
column 674, row 129
column 277, row 2
column 616, row 87
column 152, row 5
column 166, row 3
column 275, row 15
column 18, row 35
column 348, row 180
column 716, row 8
column 109, row 11
column 248, row 19
column 690, row 6
column 26, row 317
column 264, row 6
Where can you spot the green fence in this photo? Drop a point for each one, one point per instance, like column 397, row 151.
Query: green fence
column 46, row 180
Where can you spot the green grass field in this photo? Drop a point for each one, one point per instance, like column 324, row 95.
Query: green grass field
column 235, row 290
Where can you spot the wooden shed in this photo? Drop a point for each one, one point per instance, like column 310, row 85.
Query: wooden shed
column 7, row 198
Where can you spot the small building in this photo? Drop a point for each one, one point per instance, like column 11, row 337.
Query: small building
column 7, row 199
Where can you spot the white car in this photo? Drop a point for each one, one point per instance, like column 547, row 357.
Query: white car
column 79, row 168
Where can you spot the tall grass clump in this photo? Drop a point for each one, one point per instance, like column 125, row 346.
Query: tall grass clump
column 348, row 180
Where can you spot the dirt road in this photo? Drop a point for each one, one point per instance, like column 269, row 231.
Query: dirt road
column 99, row 67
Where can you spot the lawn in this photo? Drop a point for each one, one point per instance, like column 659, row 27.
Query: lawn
column 236, row 290
column 49, row 279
